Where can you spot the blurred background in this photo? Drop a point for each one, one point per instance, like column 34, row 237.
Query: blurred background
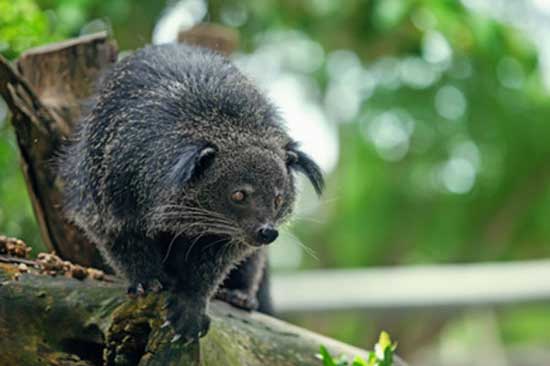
column 431, row 119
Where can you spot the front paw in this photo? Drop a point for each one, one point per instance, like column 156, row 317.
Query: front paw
column 188, row 320
column 142, row 288
column 237, row 298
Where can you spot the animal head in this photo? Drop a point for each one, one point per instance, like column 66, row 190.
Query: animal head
column 227, row 165
column 243, row 193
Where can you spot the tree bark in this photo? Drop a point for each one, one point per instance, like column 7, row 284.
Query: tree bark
column 45, row 93
column 48, row 320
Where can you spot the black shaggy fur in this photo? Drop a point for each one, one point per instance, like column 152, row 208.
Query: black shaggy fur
column 150, row 177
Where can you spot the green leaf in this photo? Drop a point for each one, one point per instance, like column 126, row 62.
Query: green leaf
column 372, row 361
column 22, row 25
column 388, row 356
column 326, row 357
column 384, row 340
column 359, row 361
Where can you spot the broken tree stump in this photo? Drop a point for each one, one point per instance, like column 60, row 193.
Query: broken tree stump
column 45, row 91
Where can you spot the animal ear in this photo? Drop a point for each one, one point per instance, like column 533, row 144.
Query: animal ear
column 192, row 162
column 301, row 162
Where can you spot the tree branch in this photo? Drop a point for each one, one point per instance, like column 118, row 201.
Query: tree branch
column 86, row 322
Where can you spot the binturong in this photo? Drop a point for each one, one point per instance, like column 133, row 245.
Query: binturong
column 181, row 173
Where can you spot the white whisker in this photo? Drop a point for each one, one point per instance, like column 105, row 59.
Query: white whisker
column 298, row 242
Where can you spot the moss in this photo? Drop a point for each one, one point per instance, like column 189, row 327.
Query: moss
column 44, row 320
column 8, row 271
column 128, row 335
column 64, row 359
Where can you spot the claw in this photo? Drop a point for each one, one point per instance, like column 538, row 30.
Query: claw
column 176, row 338
column 168, row 303
column 132, row 292
column 140, row 290
column 137, row 290
column 156, row 286
column 165, row 324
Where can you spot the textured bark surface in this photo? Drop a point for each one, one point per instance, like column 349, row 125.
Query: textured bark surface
column 48, row 320
column 45, row 91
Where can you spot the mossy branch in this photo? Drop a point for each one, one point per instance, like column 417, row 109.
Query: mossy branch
column 65, row 321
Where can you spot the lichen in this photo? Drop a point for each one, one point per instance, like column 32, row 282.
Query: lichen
column 8, row 271
column 128, row 335
column 14, row 247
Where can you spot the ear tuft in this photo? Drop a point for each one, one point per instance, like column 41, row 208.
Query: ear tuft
column 301, row 162
column 207, row 153
column 192, row 162
column 291, row 157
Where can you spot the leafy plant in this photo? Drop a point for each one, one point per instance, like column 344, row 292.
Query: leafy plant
column 381, row 356
column 22, row 25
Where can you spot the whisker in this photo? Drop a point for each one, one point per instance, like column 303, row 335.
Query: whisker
column 318, row 204
column 210, row 245
column 184, row 208
column 170, row 246
column 228, row 246
column 192, row 245
column 208, row 225
column 184, row 219
column 188, row 215
column 306, row 249
column 309, row 219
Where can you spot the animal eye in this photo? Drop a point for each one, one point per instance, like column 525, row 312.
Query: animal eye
column 278, row 201
column 238, row 196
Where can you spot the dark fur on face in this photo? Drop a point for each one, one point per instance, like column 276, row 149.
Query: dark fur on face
column 181, row 171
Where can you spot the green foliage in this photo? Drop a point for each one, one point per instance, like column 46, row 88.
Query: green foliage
column 16, row 216
column 130, row 22
column 22, row 25
column 406, row 209
column 382, row 355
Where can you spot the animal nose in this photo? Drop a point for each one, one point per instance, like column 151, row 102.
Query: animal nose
column 266, row 234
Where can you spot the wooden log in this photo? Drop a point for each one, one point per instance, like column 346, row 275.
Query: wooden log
column 64, row 321
column 214, row 36
column 45, row 92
